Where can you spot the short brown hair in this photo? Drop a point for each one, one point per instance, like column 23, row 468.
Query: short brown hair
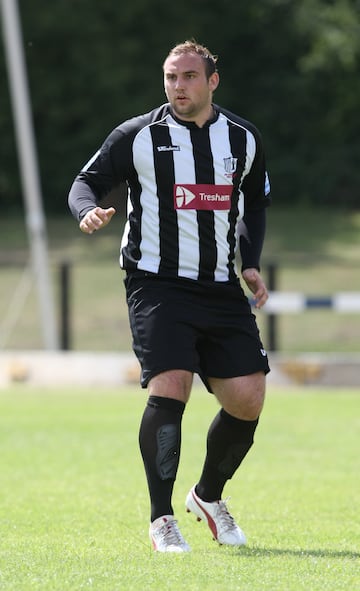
column 191, row 46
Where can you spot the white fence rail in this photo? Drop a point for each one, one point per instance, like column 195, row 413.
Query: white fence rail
column 287, row 302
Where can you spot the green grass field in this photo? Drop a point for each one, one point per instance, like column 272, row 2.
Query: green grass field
column 74, row 507
column 317, row 252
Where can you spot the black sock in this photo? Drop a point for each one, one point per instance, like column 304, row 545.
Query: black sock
column 160, row 441
column 229, row 440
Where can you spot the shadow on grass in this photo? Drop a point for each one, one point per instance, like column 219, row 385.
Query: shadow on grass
column 313, row 553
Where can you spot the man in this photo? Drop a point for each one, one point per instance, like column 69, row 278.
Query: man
column 197, row 186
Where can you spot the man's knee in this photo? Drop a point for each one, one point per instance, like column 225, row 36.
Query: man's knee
column 175, row 384
column 243, row 396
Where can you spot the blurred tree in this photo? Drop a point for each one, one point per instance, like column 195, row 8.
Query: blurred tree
column 292, row 68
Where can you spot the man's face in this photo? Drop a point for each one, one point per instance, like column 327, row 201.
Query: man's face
column 188, row 90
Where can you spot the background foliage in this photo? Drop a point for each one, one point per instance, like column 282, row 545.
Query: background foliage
column 293, row 68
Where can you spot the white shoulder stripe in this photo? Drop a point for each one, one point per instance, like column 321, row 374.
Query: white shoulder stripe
column 92, row 159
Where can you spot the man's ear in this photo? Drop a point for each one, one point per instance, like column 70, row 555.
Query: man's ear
column 214, row 81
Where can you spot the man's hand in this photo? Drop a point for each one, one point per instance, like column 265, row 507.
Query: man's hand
column 256, row 285
column 95, row 219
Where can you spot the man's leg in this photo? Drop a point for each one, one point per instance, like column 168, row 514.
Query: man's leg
column 160, row 436
column 231, row 434
column 229, row 439
column 160, row 443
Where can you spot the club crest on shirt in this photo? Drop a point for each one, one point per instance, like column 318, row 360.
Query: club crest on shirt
column 230, row 164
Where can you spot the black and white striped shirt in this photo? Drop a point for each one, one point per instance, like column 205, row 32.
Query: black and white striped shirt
column 188, row 188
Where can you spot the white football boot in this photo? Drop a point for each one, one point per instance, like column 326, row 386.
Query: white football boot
column 222, row 525
column 165, row 535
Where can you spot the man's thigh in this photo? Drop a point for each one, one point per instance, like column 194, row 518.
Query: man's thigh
column 164, row 337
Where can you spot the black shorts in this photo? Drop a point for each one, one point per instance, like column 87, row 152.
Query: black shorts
column 204, row 328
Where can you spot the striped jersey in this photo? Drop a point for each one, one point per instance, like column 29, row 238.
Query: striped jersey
column 188, row 189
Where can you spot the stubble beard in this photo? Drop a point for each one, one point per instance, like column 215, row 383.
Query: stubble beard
column 188, row 112
column 185, row 112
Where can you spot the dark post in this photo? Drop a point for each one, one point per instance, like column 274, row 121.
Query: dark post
column 272, row 318
column 65, row 306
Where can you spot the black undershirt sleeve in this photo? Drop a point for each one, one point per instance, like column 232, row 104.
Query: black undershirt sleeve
column 81, row 199
column 251, row 238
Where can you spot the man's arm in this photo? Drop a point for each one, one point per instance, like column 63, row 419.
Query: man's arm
column 251, row 239
column 81, row 199
column 83, row 206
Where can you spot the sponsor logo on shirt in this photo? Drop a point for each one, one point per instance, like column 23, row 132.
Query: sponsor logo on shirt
column 202, row 197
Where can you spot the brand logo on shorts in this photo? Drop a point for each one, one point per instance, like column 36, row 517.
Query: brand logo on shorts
column 202, row 197
column 263, row 352
column 267, row 184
